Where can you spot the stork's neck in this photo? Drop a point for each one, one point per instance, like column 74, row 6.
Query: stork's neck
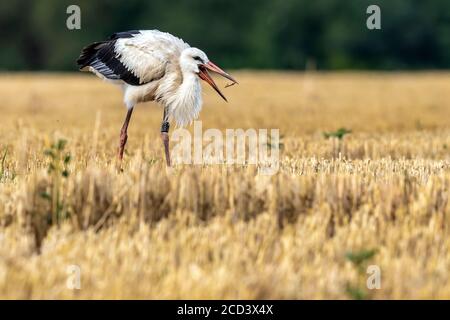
column 188, row 100
column 190, row 88
column 189, row 69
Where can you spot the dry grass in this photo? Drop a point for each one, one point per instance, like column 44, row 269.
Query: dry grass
column 226, row 232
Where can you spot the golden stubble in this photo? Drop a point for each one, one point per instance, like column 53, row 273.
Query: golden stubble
column 224, row 231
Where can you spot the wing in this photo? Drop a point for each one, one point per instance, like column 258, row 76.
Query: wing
column 135, row 57
column 147, row 54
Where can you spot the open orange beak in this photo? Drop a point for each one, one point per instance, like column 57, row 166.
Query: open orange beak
column 204, row 75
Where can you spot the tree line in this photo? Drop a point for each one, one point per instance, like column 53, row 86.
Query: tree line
column 250, row 34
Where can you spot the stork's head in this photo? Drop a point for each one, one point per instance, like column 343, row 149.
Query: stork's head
column 196, row 61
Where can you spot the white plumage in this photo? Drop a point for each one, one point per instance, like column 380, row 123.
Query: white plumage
column 151, row 65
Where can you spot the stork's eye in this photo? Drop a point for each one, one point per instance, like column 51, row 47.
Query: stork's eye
column 198, row 59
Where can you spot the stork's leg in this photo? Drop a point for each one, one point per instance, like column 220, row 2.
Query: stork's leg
column 123, row 134
column 165, row 126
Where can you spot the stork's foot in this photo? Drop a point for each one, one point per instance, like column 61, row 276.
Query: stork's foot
column 165, row 140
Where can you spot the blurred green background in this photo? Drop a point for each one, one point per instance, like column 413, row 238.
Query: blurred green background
column 250, row 34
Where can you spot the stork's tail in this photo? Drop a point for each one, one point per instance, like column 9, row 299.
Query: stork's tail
column 88, row 54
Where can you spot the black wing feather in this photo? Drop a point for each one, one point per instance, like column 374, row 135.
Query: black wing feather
column 125, row 34
column 102, row 57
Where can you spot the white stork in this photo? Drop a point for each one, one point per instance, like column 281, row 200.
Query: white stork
column 151, row 65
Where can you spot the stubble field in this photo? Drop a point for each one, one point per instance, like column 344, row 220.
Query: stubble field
column 378, row 196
